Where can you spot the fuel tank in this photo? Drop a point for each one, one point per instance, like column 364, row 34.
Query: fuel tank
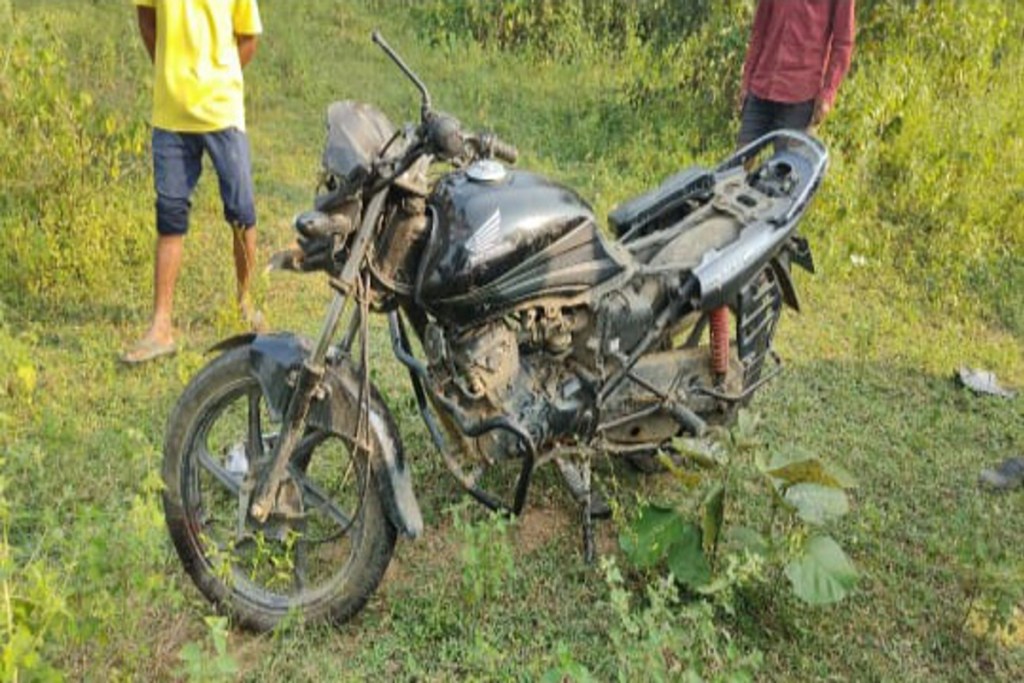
column 502, row 237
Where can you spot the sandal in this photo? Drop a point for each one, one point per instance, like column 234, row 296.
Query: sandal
column 146, row 350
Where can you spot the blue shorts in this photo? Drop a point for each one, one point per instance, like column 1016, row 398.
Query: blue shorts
column 177, row 165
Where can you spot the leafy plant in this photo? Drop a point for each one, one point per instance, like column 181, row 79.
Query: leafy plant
column 74, row 165
column 212, row 662
column 487, row 562
column 34, row 616
column 568, row 669
column 993, row 583
column 813, row 491
column 663, row 638
column 805, row 493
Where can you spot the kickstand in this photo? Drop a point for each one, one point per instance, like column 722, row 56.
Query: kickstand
column 578, row 478
column 589, row 550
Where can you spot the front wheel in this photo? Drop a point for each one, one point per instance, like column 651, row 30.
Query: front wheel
column 323, row 559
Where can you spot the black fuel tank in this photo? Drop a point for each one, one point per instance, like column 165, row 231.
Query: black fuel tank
column 501, row 237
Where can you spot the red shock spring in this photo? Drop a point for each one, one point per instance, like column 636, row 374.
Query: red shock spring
column 720, row 340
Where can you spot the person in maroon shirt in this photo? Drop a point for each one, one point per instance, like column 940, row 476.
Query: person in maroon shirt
column 799, row 52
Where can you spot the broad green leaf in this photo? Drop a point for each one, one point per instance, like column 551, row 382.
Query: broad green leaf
column 798, row 466
column 823, row 574
column 686, row 558
column 714, row 511
column 841, row 475
column 745, row 538
column 648, row 538
column 817, row 504
column 761, row 461
column 707, row 454
column 791, row 464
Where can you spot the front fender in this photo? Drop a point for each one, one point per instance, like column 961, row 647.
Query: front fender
column 274, row 358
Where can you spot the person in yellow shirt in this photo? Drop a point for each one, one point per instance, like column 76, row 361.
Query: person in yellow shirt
column 198, row 49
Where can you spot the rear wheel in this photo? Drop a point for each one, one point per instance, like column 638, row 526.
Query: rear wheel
column 323, row 557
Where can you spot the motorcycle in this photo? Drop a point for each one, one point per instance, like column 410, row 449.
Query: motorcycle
column 540, row 340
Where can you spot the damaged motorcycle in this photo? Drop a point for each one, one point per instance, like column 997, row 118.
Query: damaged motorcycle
column 529, row 335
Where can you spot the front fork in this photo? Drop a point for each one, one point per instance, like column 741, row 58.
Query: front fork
column 265, row 494
column 308, row 382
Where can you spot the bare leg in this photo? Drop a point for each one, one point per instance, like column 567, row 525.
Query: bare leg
column 244, row 244
column 169, row 250
column 159, row 338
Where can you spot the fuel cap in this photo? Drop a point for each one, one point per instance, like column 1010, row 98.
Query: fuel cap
column 486, row 171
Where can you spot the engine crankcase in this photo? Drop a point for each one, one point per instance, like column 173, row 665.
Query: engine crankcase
column 516, row 368
column 639, row 410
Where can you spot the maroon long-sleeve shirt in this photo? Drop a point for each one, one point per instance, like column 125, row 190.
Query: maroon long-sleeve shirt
column 799, row 50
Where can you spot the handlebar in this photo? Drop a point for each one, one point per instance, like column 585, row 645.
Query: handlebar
column 489, row 144
column 443, row 133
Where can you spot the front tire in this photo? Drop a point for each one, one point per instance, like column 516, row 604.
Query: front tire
column 324, row 561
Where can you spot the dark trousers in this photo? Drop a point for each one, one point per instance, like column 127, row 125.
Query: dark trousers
column 760, row 117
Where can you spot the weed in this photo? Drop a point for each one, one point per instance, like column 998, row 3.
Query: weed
column 213, row 662
column 34, row 615
column 803, row 491
column 487, row 561
column 568, row 669
column 664, row 638
column 993, row 582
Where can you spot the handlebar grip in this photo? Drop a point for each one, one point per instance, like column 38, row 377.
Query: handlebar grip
column 504, row 150
column 489, row 145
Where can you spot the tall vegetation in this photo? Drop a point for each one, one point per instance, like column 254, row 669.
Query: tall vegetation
column 927, row 138
column 73, row 159
column 931, row 137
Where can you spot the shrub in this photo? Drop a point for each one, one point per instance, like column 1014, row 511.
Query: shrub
column 930, row 129
column 566, row 28
column 75, row 163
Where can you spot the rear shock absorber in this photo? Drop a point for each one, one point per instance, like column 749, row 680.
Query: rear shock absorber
column 719, row 319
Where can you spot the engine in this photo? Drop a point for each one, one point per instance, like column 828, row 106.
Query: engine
column 519, row 366
column 543, row 367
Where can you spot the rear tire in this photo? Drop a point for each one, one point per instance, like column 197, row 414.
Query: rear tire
column 323, row 566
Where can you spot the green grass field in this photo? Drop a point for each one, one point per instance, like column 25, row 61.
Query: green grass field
column 918, row 235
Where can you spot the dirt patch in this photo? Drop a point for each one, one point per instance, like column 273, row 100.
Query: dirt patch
column 560, row 525
column 434, row 548
column 540, row 525
column 174, row 634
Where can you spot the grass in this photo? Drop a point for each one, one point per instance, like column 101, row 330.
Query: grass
column 869, row 383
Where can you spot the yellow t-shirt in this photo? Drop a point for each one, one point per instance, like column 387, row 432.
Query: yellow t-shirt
column 197, row 82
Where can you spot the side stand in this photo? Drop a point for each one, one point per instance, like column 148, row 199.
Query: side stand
column 578, row 478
